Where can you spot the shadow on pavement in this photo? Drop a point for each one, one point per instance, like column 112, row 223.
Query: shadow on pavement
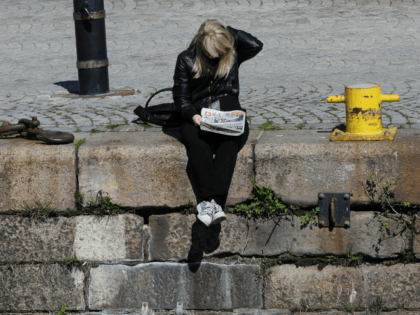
column 70, row 86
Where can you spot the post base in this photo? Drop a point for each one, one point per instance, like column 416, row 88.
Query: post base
column 386, row 134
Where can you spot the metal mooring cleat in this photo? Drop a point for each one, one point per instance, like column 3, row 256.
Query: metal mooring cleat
column 363, row 113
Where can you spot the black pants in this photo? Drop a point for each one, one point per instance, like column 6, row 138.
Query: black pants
column 211, row 176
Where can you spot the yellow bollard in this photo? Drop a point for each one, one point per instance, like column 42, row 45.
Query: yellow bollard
column 363, row 113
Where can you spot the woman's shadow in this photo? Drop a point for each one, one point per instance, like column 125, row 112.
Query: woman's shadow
column 203, row 240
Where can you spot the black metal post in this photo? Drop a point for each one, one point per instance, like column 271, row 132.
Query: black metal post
column 92, row 59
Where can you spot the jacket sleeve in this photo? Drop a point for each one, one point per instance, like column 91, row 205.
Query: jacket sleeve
column 181, row 90
column 247, row 46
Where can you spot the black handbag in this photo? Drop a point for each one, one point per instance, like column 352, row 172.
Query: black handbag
column 165, row 114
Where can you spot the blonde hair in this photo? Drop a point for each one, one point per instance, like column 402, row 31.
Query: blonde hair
column 213, row 40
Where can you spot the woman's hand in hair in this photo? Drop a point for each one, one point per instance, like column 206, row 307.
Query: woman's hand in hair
column 197, row 120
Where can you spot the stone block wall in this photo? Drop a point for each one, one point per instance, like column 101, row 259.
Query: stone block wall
column 112, row 264
column 243, row 266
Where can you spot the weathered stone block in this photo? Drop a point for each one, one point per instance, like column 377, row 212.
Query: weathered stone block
column 31, row 171
column 162, row 285
column 24, row 240
column 115, row 238
column 176, row 236
column 139, row 170
column 338, row 287
column 109, row 238
column 41, row 287
column 416, row 240
column 300, row 164
column 365, row 236
column 181, row 237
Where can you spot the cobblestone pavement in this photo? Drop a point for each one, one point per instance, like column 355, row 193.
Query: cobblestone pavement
column 311, row 50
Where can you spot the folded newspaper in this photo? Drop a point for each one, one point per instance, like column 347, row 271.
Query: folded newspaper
column 226, row 123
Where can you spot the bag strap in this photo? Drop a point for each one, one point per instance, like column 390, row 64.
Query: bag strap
column 156, row 93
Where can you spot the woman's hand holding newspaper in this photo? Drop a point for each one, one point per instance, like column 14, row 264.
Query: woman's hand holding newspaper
column 197, row 120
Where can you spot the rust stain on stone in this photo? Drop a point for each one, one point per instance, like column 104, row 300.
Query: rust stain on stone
column 333, row 241
column 408, row 190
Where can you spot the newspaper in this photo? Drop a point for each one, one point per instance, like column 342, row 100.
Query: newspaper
column 226, row 123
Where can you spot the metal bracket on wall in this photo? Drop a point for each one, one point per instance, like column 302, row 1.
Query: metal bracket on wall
column 334, row 209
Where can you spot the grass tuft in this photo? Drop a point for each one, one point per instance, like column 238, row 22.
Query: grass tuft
column 79, row 143
column 112, row 127
column 268, row 126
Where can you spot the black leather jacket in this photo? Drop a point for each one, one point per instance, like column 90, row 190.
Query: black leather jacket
column 190, row 95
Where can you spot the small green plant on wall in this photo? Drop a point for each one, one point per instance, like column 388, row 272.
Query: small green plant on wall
column 79, row 143
column 63, row 310
column 378, row 305
column 103, row 205
column 348, row 261
column 73, row 262
column 264, row 203
column 382, row 192
column 39, row 211
column 311, row 215
column 79, row 198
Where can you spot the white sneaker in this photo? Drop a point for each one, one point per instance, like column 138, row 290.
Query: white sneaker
column 205, row 212
column 218, row 214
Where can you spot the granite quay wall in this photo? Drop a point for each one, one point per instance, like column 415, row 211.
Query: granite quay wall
column 156, row 251
column 141, row 169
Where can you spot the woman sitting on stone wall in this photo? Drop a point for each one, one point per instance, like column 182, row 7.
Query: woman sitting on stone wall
column 206, row 75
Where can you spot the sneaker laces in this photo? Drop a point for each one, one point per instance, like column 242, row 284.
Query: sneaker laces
column 217, row 208
column 207, row 208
